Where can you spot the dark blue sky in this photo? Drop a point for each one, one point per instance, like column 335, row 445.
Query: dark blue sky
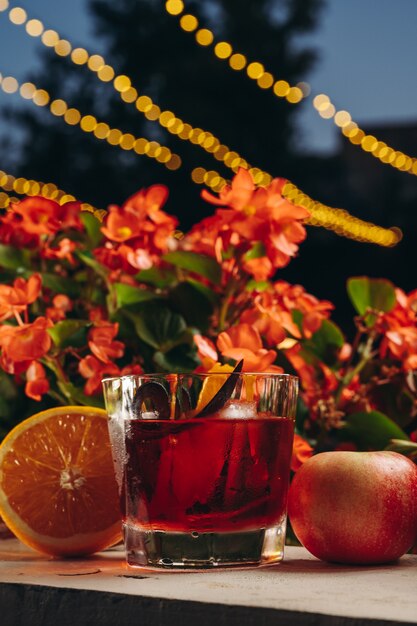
column 367, row 50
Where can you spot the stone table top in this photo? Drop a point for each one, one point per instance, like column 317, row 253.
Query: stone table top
column 37, row 590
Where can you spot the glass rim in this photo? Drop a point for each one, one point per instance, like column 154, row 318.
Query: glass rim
column 276, row 375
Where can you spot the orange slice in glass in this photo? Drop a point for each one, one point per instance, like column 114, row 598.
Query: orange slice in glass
column 58, row 493
column 212, row 384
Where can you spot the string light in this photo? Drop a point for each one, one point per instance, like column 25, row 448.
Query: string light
column 223, row 50
column 338, row 220
column 144, row 104
column 282, row 89
column 28, row 187
column 89, row 124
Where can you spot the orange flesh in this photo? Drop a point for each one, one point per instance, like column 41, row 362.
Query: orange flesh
column 57, row 476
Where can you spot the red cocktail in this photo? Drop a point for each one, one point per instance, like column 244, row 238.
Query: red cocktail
column 212, row 490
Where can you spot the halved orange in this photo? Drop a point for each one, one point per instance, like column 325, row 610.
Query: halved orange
column 58, row 492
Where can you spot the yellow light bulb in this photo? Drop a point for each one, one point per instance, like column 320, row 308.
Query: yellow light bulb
column 114, row 136
column 95, row 62
column 174, row 163
column 237, row 61
column 27, row 90
column 140, row 145
column 204, row 37
column 166, row 117
column 255, row 70
column 281, row 88
column 34, row 28
column 223, row 50
column 41, row 97
column 9, row 84
column 122, row 83
column 88, row 123
column 58, row 107
column 342, row 118
column 143, row 103
column 18, row 16
column 50, row 38
column 294, row 95
column 174, row 7
column 197, row 175
column 189, row 23
column 130, row 95
column 72, row 116
column 127, row 141
column 102, row 130
column 79, row 56
column 63, row 48
column 106, row 73
column 153, row 113
column 265, row 81
column 321, row 102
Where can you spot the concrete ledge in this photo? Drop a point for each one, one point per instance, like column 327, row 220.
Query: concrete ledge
column 302, row 591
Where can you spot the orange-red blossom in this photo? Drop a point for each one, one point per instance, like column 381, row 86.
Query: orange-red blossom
column 249, row 216
column 137, row 232
column 15, row 299
column 244, row 342
column 26, row 342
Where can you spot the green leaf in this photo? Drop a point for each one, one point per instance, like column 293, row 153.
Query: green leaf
column 60, row 284
column 88, row 259
column 75, row 395
column 182, row 358
column 325, row 342
column 371, row 293
column 127, row 295
column 256, row 252
column 194, row 304
column 157, row 325
column 13, row 258
column 371, row 431
column 63, row 332
column 93, row 228
column 199, row 264
column 157, row 277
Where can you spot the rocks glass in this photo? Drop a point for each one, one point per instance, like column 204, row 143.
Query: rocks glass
column 202, row 462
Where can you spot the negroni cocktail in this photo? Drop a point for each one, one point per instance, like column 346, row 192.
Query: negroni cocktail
column 201, row 488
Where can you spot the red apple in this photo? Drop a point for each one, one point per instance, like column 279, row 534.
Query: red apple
column 355, row 507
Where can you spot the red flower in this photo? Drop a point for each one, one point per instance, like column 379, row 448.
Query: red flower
column 132, row 370
column 17, row 298
column 64, row 250
column 207, row 352
column 101, row 341
column 39, row 215
column 141, row 222
column 37, row 384
column 27, row 342
column 253, row 216
column 120, row 225
column 244, row 342
column 61, row 306
column 301, row 452
column 399, row 330
column 295, row 297
column 94, row 370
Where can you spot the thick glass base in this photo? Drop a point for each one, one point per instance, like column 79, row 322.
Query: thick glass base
column 195, row 550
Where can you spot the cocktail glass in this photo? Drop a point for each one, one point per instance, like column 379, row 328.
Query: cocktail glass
column 202, row 462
